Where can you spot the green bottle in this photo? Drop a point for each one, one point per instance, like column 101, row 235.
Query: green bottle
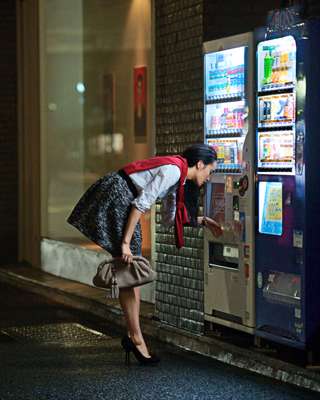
column 268, row 63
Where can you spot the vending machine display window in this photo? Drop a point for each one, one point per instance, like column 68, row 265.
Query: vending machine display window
column 277, row 64
column 229, row 153
column 276, row 150
column 276, row 111
column 225, row 118
column 225, row 74
column 270, row 208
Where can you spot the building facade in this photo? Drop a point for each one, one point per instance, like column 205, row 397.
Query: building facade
column 73, row 108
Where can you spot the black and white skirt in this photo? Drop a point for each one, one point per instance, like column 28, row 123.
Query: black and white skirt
column 102, row 213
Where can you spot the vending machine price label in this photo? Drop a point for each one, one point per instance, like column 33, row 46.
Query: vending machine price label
column 297, row 313
column 236, row 216
column 298, row 239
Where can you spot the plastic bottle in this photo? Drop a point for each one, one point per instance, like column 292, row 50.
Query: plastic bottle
column 268, row 64
column 223, row 119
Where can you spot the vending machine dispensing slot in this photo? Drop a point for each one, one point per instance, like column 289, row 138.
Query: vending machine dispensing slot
column 223, row 255
column 283, row 288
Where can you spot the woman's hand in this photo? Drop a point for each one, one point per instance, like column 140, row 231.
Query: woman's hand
column 126, row 253
column 212, row 225
column 133, row 219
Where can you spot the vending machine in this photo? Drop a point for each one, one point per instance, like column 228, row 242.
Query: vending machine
column 288, row 182
column 229, row 198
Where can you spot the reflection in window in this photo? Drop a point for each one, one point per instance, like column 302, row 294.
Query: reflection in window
column 89, row 52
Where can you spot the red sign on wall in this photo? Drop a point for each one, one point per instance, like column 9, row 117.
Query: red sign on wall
column 140, row 103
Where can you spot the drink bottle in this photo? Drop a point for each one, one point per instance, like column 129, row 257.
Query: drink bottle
column 268, row 64
column 223, row 119
column 268, row 112
column 263, row 110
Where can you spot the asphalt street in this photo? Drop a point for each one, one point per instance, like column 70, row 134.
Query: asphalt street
column 48, row 351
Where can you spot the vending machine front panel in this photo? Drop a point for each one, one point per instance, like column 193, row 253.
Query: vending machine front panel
column 279, row 197
column 229, row 196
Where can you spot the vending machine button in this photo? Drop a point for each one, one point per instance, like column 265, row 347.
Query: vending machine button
column 246, row 251
column 236, row 185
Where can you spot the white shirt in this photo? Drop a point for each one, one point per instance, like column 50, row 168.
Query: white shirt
column 153, row 184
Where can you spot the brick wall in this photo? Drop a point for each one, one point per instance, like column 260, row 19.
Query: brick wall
column 179, row 27
column 8, row 133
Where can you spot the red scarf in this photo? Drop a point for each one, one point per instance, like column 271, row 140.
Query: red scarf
column 181, row 217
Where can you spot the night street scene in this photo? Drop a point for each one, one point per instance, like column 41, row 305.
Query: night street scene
column 160, row 197
column 49, row 351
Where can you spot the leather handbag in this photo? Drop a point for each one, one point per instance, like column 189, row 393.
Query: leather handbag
column 116, row 274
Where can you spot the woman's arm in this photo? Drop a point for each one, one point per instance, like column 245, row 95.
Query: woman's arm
column 166, row 176
column 133, row 219
column 158, row 183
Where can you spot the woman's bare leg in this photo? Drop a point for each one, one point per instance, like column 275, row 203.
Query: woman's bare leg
column 130, row 303
column 138, row 297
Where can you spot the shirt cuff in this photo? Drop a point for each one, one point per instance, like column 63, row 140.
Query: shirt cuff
column 140, row 206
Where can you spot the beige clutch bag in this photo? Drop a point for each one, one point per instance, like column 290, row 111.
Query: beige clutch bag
column 115, row 274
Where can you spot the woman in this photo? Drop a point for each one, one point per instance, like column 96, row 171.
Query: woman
column 109, row 212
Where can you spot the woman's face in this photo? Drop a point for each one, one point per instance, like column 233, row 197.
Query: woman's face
column 203, row 172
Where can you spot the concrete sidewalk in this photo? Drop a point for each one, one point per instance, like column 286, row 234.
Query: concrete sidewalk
column 93, row 301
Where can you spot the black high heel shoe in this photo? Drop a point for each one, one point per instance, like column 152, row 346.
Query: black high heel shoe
column 129, row 346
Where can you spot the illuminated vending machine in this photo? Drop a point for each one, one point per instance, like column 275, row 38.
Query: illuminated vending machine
column 288, row 185
column 229, row 197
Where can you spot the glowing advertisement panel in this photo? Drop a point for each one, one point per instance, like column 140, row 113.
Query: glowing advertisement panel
column 224, row 118
column 276, row 149
column 225, row 73
column 270, row 208
column 277, row 64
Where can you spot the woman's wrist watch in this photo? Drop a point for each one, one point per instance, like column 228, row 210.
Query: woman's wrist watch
column 203, row 222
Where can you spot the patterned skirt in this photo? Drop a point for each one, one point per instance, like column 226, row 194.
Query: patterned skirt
column 102, row 213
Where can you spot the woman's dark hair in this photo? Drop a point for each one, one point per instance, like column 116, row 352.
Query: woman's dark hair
column 200, row 151
column 191, row 201
column 193, row 154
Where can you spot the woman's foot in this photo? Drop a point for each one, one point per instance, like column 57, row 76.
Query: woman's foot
column 140, row 345
column 135, row 339
column 143, row 350
column 129, row 346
